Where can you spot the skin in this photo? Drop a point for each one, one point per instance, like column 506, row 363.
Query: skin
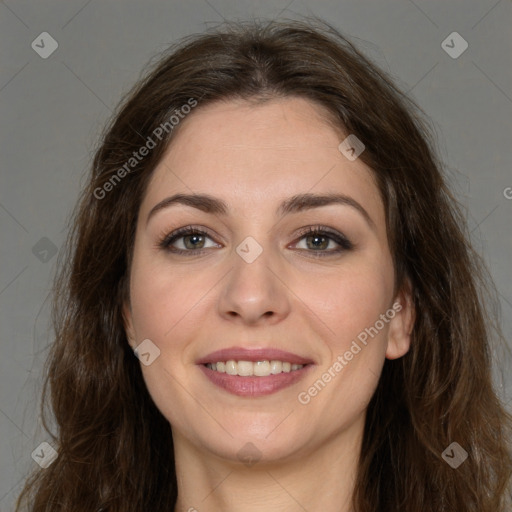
column 253, row 157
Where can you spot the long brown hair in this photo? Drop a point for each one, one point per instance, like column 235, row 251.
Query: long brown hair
column 114, row 445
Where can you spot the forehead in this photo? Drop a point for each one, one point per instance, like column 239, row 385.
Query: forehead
column 253, row 154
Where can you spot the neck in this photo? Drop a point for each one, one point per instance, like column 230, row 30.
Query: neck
column 319, row 479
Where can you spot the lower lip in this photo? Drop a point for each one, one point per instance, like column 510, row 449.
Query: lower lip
column 254, row 386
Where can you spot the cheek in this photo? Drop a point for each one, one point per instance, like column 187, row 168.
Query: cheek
column 166, row 307
column 161, row 299
column 349, row 301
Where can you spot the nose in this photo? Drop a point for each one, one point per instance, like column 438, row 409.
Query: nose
column 253, row 293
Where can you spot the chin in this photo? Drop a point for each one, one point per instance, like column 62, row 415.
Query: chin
column 250, row 445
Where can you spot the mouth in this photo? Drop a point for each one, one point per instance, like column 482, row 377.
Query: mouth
column 258, row 368
column 253, row 373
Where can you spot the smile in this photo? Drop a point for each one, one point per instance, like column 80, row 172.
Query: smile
column 254, row 372
column 250, row 368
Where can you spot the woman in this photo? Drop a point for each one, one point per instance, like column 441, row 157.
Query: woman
column 267, row 228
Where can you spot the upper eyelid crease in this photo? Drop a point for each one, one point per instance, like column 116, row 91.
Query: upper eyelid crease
column 294, row 204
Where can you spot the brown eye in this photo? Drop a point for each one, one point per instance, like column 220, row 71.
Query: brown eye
column 195, row 241
column 186, row 240
column 317, row 241
column 323, row 242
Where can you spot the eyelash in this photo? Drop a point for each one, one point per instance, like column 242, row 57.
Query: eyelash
column 343, row 242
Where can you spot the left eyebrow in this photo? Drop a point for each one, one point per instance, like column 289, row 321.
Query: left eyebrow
column 294, row 204
column 302, row 202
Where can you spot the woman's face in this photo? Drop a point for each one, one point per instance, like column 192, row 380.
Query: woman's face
column 258, row 283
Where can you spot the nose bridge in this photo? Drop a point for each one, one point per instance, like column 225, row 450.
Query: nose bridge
column 252, row 290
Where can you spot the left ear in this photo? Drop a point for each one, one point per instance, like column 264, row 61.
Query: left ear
column 401, row 325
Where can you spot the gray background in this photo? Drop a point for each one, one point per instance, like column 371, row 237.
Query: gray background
column 52, row 110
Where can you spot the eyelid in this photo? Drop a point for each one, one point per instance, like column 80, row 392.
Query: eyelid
column 343, row 242
column 340, row 239
column 166, row 238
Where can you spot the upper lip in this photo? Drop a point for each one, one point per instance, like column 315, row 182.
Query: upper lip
column 253, row 354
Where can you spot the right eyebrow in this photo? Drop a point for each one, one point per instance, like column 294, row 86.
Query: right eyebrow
column 203, row 202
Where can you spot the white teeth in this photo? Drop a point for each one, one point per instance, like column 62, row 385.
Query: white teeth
column 244, row 368
column 258, row 368
column 261, row 368
column 276, row 367
column 231, row 368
